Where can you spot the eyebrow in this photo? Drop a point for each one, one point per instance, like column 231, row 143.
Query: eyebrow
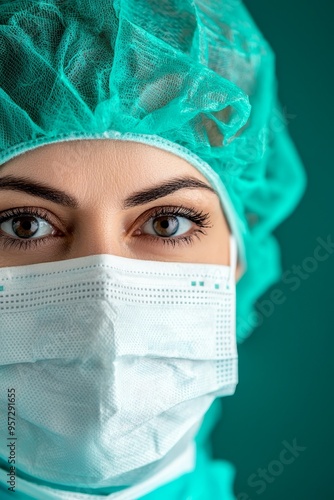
column 9, row 182
column 164, row 189
column 41, row 190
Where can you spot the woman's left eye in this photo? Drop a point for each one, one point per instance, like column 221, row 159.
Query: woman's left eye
column 167, row 225
column 170, row 224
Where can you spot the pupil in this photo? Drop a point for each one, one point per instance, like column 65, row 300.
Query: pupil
column 25, row 227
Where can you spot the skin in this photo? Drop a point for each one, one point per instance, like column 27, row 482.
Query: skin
column 100, row 175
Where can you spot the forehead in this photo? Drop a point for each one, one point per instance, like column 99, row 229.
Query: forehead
column 104, row 172
column 112, row 158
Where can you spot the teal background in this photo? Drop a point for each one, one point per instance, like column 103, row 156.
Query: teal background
column 286, row 371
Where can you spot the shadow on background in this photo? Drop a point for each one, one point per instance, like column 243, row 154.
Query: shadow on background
column 277, row 429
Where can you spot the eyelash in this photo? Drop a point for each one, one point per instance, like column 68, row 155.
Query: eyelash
column 199, row 218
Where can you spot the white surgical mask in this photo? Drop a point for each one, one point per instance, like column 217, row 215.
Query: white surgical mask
column 114, row 362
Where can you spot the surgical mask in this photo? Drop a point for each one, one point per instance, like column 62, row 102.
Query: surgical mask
column 114, row 363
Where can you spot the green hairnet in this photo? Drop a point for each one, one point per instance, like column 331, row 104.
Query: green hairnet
column 192, row 76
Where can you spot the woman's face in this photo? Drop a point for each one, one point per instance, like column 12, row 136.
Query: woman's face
column 74, row 199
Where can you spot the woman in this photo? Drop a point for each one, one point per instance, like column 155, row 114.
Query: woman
column 142, row 171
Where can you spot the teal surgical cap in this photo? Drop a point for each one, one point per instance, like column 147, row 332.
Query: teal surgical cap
column 193, row 77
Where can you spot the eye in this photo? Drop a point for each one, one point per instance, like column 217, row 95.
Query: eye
column 170, row 225
column 167, row 225
column 26, row 226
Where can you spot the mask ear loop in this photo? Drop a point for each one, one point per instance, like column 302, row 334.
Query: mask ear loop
column 233, row 262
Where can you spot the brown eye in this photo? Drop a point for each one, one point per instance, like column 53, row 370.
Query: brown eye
column 25, row 226
column 166, row 225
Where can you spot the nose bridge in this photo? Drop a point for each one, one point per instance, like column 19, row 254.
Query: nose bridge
column 98, row 232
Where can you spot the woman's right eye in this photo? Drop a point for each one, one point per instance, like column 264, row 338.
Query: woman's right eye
column 26, row 227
